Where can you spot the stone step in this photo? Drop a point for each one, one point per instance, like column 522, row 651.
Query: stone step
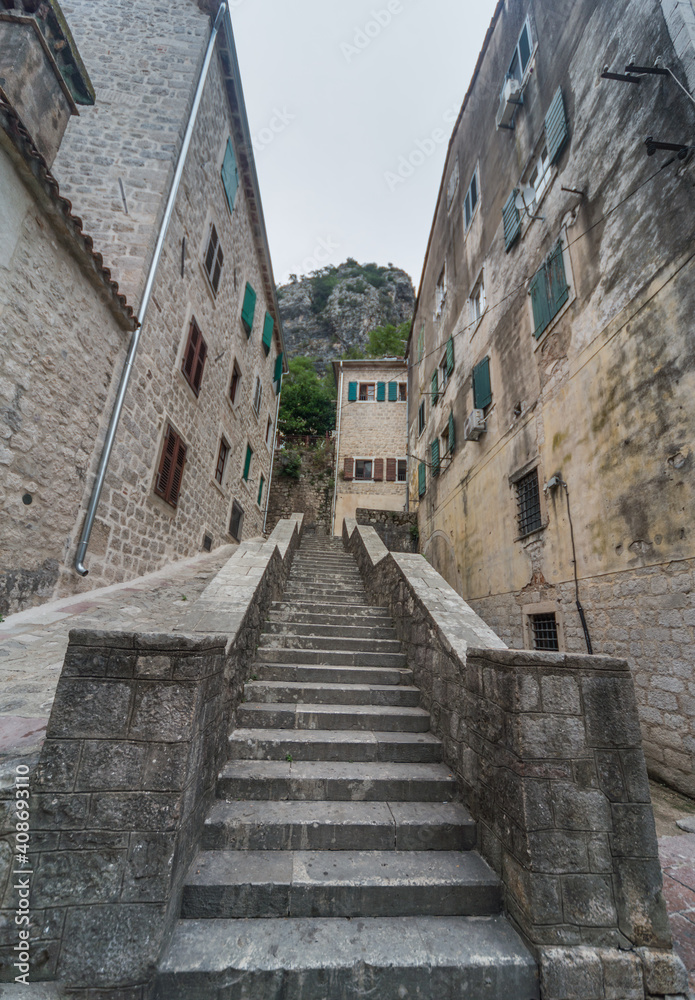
column 292, row 640
column 285, row 614
column 330, row 657
column 344, row 631
column 417, row 958
column 251, row 884
column 337, row 781
column 331, row 675
column 300, row 692
column 382, row 718
column 339, row 826
column 337, row 745
column 333, row 593
column 344, row 568
column 356, row 612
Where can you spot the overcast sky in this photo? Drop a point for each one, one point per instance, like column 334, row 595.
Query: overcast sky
column 339, row 100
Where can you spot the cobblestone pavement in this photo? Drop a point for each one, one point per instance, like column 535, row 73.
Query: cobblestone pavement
column 677, row 853
column 33, row 642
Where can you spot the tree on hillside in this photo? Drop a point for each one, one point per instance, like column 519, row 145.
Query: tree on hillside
column 307, row 405
column 383, row 342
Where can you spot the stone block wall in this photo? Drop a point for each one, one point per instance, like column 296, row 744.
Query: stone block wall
column 646, row 616
column 398, row 530
column 312, row 491
column 547, row 748
column 136, row 738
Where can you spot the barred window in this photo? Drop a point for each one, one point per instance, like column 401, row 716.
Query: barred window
column 528, row 501
column 544, row 629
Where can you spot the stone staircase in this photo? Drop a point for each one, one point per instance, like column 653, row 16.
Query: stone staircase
column 338, row 861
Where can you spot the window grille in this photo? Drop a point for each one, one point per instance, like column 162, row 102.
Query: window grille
column 545, row 631
column 528, row 500
column 402, row 470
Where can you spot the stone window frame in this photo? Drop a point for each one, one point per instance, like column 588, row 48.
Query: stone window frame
column 154, row 498
column 402, row 392
column 478, row 286
column 181, row 355
column 543, row 608
column 404, row 460
column 211, row 227
column 363, row 479
column 513, row 479
column 234, row 403
column 367, row 398
column 221, row 485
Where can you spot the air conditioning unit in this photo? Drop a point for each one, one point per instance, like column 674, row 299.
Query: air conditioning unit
column 510, row 99
column 474, row 425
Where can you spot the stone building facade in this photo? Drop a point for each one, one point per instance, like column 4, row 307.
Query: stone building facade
column 551, row 355
column 371, row 465
column 191, row 460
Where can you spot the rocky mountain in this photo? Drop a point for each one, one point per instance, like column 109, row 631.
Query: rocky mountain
column 326, row 313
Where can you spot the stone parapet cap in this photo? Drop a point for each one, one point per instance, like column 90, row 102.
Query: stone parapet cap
column 512, row 659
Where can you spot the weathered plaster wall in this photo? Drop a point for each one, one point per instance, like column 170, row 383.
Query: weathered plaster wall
column 136, row 532
column 58, row 354
column 602, row 395
column 370, row 430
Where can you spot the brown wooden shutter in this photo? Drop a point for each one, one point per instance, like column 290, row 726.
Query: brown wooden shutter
column 200, row 364
column 177, row 475
column 378, row 470
column 166, row 464
column 390, row 470
column 348, row 468
column 194, row 357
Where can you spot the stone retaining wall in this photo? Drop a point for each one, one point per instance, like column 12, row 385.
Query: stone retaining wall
column 136, row 738
column 398, row 530
column 548, row 750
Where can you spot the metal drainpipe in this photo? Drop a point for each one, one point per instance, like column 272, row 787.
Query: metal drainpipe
column 337, row 448
column 128, row 367
column 272, row 460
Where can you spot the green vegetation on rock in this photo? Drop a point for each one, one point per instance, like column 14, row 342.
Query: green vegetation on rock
column 307, row 404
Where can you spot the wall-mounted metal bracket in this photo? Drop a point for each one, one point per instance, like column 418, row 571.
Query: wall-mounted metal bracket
column 680, row 148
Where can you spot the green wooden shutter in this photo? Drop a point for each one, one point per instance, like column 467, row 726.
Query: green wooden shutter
column 277, row 374
column 559, row 289
column 512, row 220
column 352, row 392
column 248, row 309
column 434, row 449
column 452, row 432
column 260, row 490
column 450, row 356
column 435, row 388
column 247, row 462
column 380, row 392
column 482, row 392
column 268, row 327
column 421, row 479
column 538, row 290
column 556, row 131
column 230, row 175
column 393, row 392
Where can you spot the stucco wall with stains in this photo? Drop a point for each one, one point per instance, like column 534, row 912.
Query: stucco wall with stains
column 602, row 395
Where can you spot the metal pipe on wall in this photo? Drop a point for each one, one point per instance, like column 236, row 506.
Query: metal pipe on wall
column 337, row 448
column 272, row 460
column 147, row 294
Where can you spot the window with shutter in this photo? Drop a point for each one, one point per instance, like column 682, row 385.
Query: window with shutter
column 352, row 392
column 247, row 462
column 257, row 396
column 435, row 388
column 194, row 357
column 402, row 392
column 393, row 392
column 482, row 390
column 248, row 309
column 556, row 130
column 434, row 450
column 171, row 464
column 450, row 357
column 511, row 220
column 421, row 418
column 549, row 290
column 378, row 470
column 471, row 200
column 421, row 479
column 402, row 470
column 277, row 374
column 421, row 344
column 221, row 461
column 452, row 433
column 367, row 392
column 230, row 175
column 214, row 259
column 269, row 432
column 363, row 468
column 391, row 470
column 348, row 466
column 260, row 490
column 234, row 384
column 236, row 521
column 268, row 326
column 380, row 392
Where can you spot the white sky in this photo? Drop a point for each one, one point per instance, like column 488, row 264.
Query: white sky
column 331, row 119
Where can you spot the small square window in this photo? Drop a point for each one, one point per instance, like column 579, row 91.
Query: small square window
column 528, row 501
column 544, row 631
column 367, row 392
column 363, row 469
column 207, row 543
column 402, row 470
